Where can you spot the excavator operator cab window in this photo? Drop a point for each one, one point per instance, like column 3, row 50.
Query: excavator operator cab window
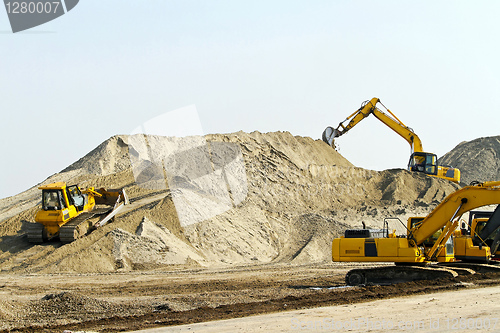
column 423, row 162
column 53, row 200
column 417, row 222
column 431, row 164
column 480, row 226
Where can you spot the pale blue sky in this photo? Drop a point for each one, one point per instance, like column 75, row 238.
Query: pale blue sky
column 108, row 66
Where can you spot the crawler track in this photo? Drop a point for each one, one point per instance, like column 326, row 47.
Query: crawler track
column 36, row 233
column 78, row 227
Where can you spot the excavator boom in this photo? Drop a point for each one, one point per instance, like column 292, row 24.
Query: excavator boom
column 390, row 120
column 420, row 161
column 456, row 204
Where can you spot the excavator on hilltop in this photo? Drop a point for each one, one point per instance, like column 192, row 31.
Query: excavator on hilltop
column 420, row 161
column 69, row 213
column 429, row 249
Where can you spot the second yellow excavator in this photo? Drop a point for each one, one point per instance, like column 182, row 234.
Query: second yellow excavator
column 420, row 161
column 482, row 229
column 429, row 240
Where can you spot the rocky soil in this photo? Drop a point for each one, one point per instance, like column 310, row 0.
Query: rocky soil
column 478, row 160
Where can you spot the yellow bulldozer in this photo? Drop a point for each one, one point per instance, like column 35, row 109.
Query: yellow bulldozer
column 69, row 212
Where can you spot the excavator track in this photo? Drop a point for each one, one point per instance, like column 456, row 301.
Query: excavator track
column 396, row 274
column 78, row 227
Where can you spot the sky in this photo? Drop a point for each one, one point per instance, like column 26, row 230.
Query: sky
column 106, row 67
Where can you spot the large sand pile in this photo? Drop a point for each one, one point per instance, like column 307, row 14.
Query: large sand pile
column 219, row 200
column 478, row 160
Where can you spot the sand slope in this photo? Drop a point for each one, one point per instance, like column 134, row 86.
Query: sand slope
column 478, row 160
column 225, row 199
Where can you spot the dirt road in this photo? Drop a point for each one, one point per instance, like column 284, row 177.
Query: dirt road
column 453, row 311
column 140, row 300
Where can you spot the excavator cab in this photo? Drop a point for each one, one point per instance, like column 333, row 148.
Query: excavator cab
column 485, row 229
column 423, row 162
column 446, row 253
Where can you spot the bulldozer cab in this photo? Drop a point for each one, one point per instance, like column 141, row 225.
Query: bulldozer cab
column 53, row 200
column 423, row 162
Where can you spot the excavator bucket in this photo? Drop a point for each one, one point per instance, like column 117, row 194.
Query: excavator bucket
column 329, row 135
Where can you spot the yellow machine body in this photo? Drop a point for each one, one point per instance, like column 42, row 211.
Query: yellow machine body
column 389, row 248
column 428, row 239
column 70, row 213
column 465, row 250
column 58, row 205
column 375, row 250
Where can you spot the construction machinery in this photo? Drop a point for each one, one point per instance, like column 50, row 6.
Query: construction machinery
column 482, row 229
column 69, row 212
column 420, row 161
column 426, row 251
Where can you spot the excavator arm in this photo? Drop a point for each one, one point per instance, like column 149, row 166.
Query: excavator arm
column 420, row 161
column 454, row 205
column 390, row 120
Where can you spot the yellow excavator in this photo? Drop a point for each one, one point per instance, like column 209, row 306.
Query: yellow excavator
column 420, row 161
column 69, row 212
column 427, row 250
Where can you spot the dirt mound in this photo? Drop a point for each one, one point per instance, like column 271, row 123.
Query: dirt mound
column 106, row 165
column 63, row 307
column 109, row 157
column 151, row 246
column 478, row 160
column 223, row 199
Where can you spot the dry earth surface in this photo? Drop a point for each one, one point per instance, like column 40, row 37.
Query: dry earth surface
column 218, row 227
column 439, row 312
column 478, row 160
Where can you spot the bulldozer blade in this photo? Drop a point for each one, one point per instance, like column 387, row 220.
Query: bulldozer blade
column 109, row 216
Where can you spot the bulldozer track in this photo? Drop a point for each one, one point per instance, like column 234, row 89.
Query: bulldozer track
column 75, row 229
column 35, row 233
